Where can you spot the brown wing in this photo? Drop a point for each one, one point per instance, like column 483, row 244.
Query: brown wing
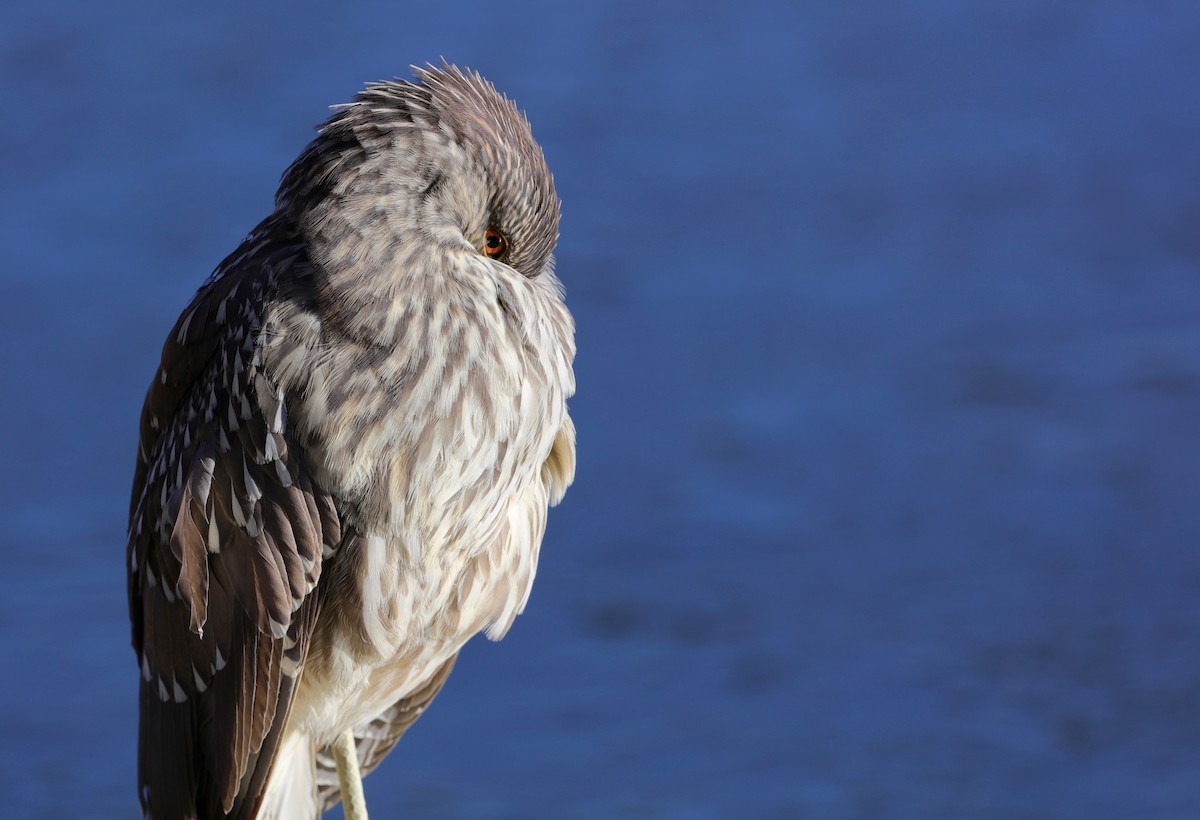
column 227, row 534
column 380, row 736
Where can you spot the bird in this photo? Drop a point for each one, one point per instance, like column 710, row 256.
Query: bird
column 347, row 453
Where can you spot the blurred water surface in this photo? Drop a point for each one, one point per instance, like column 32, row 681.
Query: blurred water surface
column 889, row 380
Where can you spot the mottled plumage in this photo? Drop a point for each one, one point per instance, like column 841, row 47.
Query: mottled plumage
column 348, row 451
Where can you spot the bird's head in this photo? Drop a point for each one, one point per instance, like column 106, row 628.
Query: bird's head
column 417, row 175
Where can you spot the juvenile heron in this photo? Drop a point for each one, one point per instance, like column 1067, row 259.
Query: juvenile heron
column 347, row 453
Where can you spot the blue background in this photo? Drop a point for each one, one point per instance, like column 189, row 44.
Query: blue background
column 889, row 394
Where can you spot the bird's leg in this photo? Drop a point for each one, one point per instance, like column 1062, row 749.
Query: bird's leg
column 345, row 756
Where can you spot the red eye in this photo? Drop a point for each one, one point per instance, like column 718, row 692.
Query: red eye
column 495, row 244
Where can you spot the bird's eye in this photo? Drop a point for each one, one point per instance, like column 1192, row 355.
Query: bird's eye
column 495, row 244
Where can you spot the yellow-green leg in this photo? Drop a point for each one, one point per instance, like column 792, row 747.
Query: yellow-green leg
column 345, row 755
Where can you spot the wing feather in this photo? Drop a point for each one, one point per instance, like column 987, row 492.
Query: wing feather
column 226, row 539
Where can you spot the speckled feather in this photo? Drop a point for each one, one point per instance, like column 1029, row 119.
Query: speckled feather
column 348, row 451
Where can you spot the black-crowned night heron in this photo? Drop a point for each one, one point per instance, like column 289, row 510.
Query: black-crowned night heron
column 348, row 452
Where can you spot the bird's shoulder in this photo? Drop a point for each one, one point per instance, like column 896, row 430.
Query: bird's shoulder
column 214, row 336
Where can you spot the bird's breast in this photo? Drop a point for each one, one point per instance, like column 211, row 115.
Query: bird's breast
column 434, row 446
